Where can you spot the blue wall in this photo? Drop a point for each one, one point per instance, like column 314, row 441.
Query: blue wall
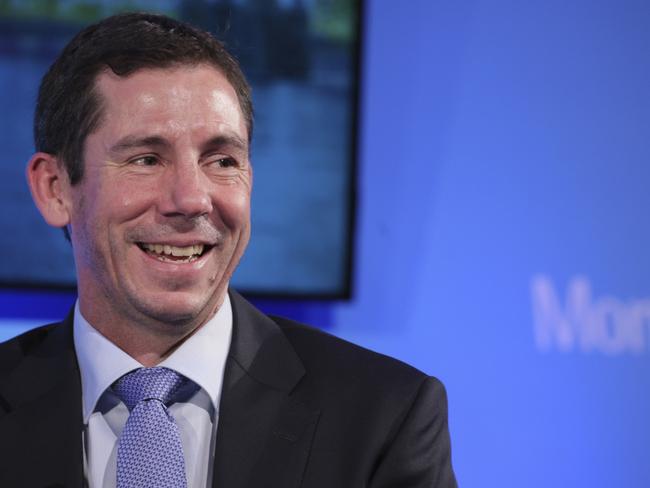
column 503, row 232
column 502, row 244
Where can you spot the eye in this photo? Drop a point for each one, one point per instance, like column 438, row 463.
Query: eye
column 228, row 162
column 147, row 160
column 224, row 162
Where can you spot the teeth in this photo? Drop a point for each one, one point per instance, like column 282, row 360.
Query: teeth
column 186, row 251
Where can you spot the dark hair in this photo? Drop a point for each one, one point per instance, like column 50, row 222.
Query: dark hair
column 69, row 107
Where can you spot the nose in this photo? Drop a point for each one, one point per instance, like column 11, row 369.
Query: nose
column 186, row 192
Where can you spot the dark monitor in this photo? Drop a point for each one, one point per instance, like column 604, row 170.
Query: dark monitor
column 302, row 60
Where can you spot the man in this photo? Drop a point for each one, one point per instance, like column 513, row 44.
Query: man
column 161, row 375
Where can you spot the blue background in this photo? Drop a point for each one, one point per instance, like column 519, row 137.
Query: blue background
column 502, row 244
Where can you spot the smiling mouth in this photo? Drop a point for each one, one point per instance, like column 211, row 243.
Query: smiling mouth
column 175, row 254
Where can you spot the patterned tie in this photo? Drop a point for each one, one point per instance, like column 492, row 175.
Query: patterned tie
column 149, row 453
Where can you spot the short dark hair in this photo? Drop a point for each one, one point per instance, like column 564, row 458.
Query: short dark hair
column 69, row 108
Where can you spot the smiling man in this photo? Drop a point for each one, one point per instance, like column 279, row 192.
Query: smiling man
column 162, row 375
column 161, row 216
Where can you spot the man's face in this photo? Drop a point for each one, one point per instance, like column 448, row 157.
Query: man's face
column 161, row 215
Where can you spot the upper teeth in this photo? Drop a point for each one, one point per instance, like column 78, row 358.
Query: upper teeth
column 174, row 250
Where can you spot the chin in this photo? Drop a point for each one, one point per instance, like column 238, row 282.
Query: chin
column 175, row 309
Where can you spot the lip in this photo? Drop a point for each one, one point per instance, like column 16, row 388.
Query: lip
column 180, row 242
column 175, row 266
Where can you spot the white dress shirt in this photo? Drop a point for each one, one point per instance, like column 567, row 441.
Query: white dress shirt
column 201, row 358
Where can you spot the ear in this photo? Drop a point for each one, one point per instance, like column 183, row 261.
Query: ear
column 48, row 181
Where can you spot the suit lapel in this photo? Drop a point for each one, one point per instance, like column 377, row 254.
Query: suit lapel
column 264, row 434
column 44, row 419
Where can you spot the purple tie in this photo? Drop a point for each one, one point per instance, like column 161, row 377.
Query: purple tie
column 149, row 453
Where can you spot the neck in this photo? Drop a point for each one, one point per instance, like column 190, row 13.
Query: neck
column 147, row 350
column 147, row 340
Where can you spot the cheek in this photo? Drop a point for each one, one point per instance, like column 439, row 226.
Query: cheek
column 103, row 209
column 234, row 208
column 128, row 199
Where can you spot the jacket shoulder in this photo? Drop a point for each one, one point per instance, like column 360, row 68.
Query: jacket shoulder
column 13, row 351
column 343, row 365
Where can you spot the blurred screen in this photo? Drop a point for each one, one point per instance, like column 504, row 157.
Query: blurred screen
column 301, row 60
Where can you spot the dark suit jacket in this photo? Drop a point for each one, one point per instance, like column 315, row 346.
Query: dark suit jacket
column 299, row 408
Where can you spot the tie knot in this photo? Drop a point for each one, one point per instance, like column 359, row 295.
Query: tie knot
column 149, row 383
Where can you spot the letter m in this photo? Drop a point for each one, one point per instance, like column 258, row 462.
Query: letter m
column 555, row 325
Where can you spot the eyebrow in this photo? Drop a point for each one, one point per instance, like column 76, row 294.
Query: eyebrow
column 232, row 140
column 135, row 142
column 155, row 141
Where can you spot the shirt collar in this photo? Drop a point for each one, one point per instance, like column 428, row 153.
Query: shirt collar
column 201, row 357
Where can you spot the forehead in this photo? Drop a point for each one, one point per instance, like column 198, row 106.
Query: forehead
column 176, row 98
